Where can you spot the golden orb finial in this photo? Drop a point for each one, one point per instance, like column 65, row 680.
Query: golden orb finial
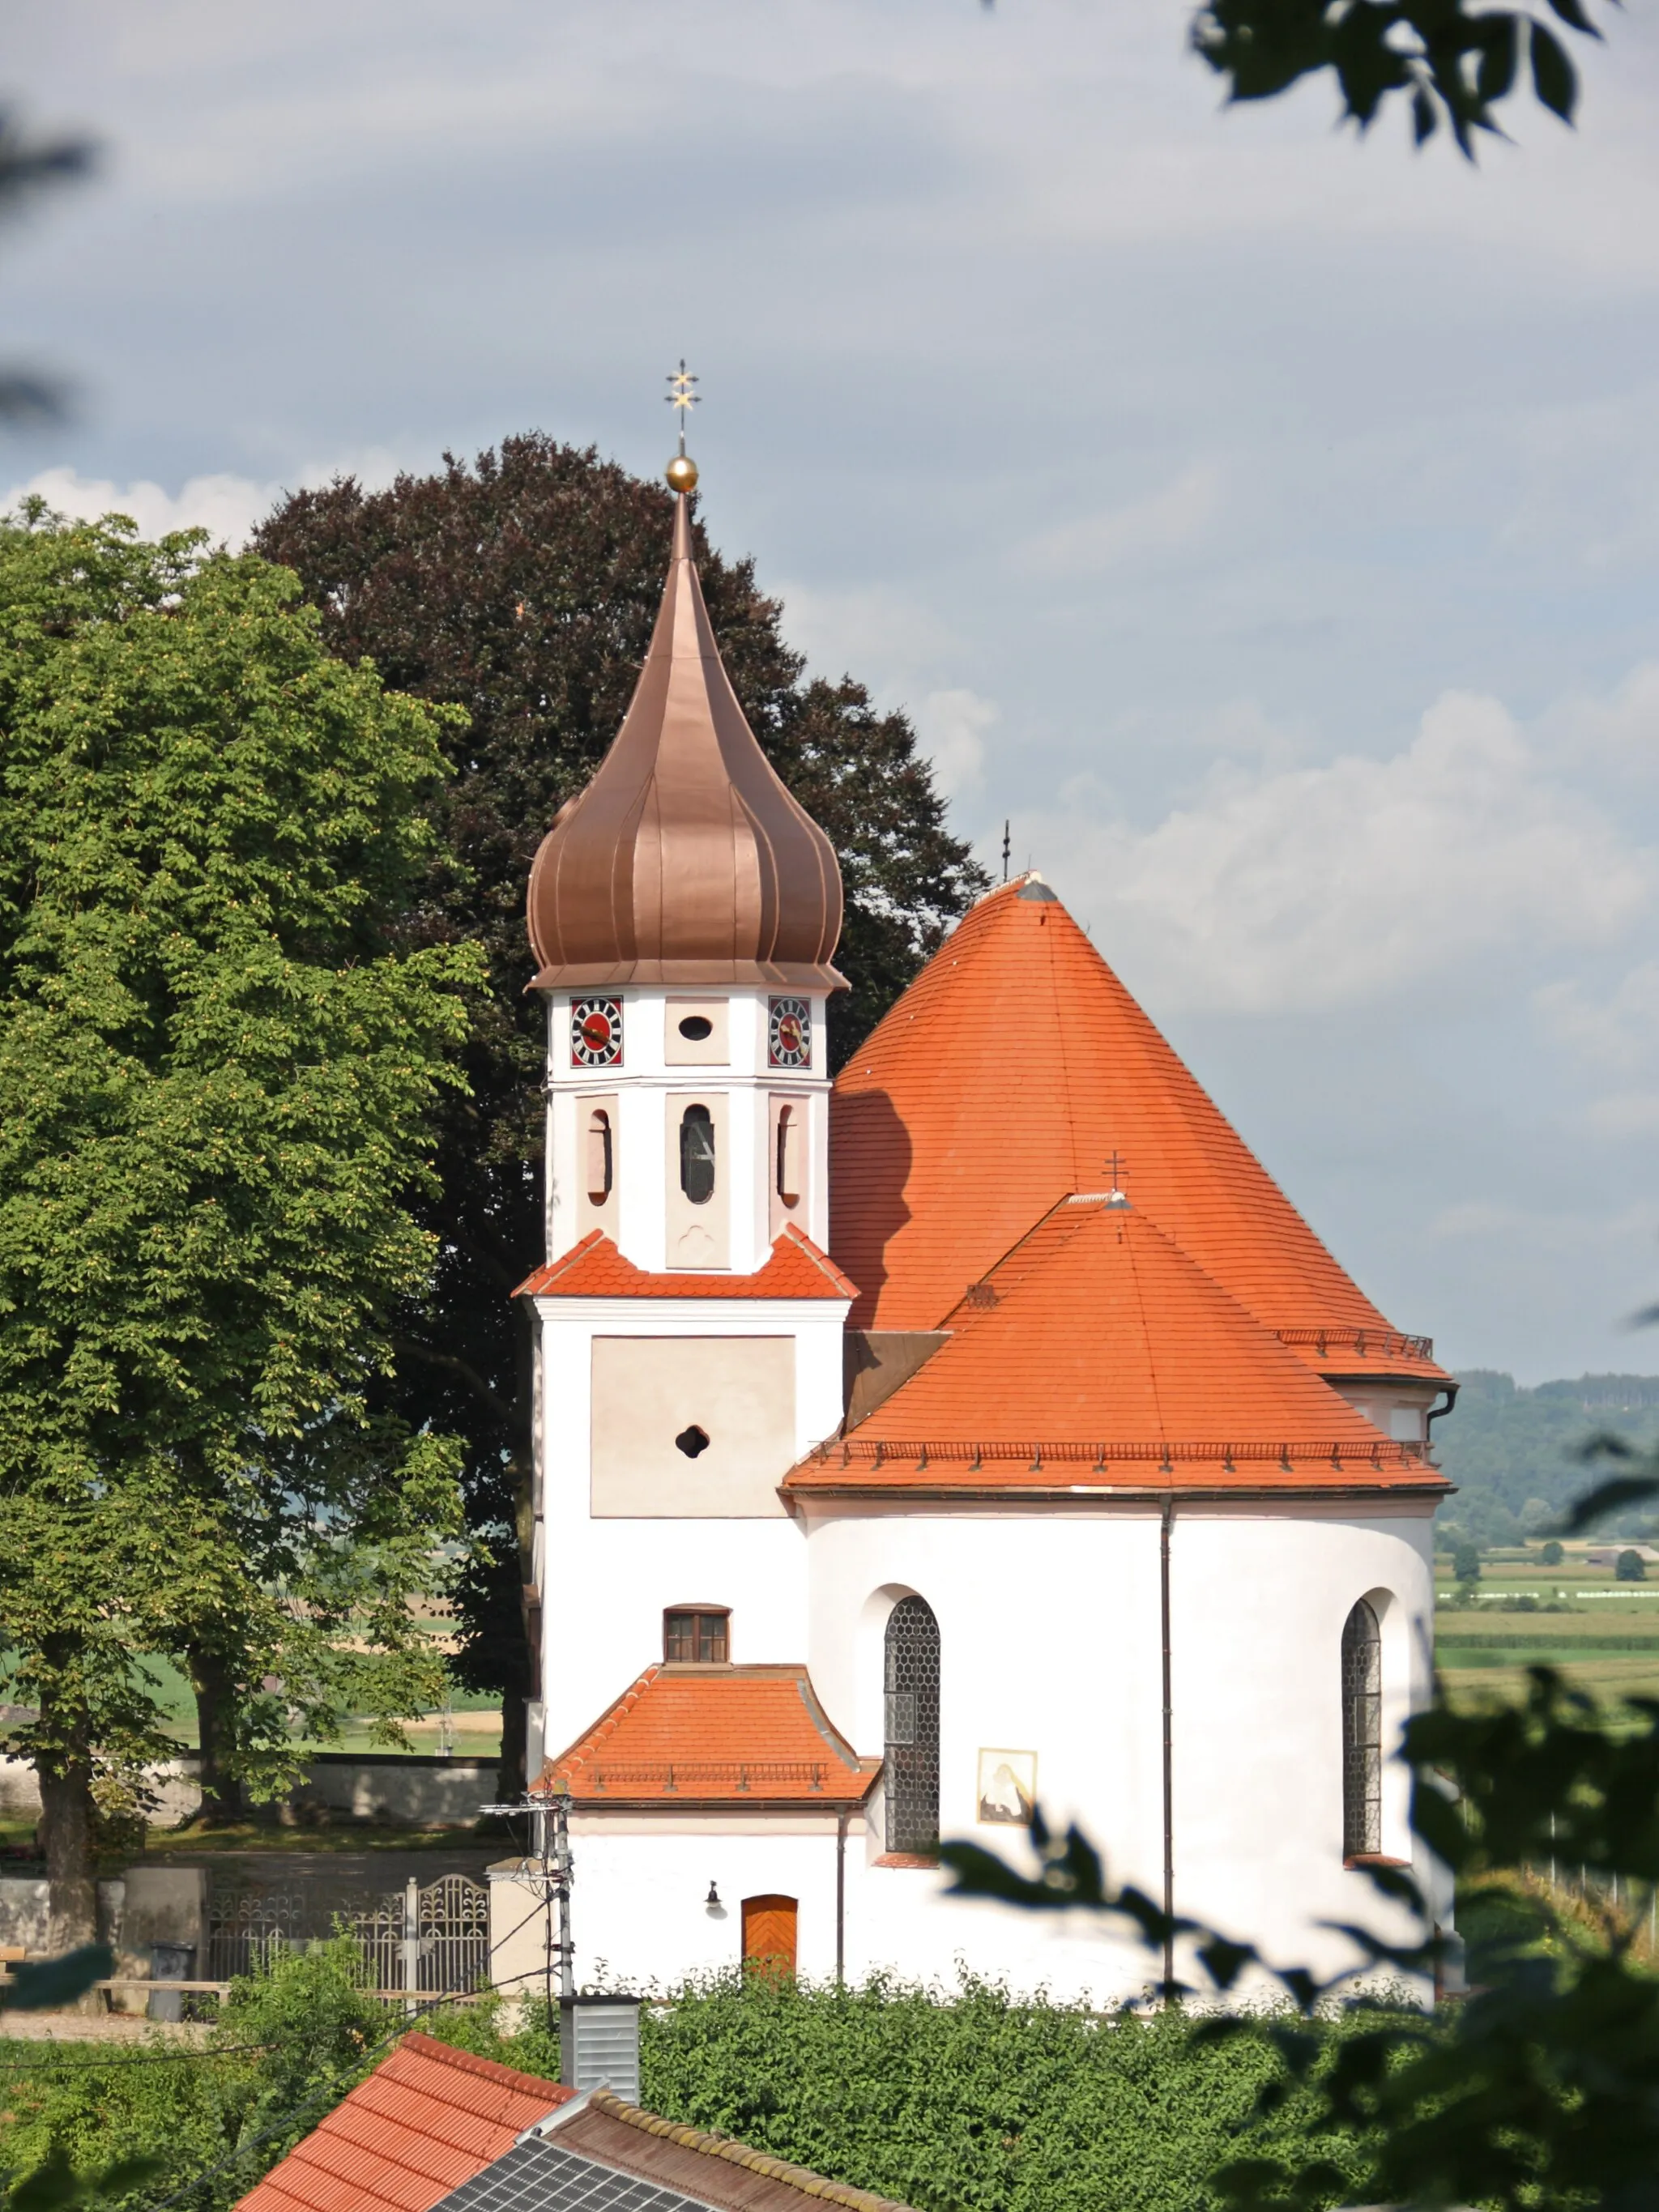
column 681, row 395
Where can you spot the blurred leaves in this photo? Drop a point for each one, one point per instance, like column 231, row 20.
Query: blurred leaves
column 1450, row 63
column 29, row 167
column 47, row 1984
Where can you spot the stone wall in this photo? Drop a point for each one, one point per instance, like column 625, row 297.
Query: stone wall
column 402, row 1789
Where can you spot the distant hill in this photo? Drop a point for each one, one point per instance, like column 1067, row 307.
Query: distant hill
column 1510, row 1451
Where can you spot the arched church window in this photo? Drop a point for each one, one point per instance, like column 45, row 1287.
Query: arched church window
column 697, row 1154
column 1362, row 1734
column 911, row 1770
column 789, row 1136
column 601, row 1159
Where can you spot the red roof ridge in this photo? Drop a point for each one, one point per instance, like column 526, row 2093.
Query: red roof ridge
column 487, row 2070
column 795, row 1267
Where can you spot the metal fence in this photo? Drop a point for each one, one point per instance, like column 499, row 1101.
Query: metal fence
column 428, row 1939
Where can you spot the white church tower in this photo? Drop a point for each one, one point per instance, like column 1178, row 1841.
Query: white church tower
column 683, row 910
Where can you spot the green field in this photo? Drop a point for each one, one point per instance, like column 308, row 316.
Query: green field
column 1603, row 1633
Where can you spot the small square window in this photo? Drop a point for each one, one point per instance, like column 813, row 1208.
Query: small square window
column 695, row 1636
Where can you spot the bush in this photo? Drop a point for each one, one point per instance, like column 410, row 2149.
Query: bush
column 976, row 2099
column 290, row 2040
column 1630, row 1567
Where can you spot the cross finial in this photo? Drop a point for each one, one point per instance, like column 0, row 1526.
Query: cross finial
column 1007, row 847
column 681, row 396
column 1115, row 1168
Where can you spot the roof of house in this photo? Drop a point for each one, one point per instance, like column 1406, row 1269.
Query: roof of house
column 684, row 860
column 682, row 1736
column 427, row 2119
column 796, row 1269
column 1008, row 1076
column 433, row 2127
column 1097, row 1354
column 679, row 2166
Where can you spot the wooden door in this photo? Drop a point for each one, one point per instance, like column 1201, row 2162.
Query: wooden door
column 768, row 1934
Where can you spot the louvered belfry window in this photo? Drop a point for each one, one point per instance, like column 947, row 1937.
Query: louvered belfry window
column 697, row 1154
column 912, row 1727
column 1362, row 1734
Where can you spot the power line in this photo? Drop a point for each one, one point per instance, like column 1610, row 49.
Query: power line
column 143, row 2059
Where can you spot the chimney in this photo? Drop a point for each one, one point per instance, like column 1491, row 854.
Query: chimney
column 599, row 2044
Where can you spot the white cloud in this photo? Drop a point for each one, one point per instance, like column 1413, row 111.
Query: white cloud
column 839, row 630
column 225, row 506
column 1169, row 520
column 1283, row 888
column 952, row 726
column 1619, row 1031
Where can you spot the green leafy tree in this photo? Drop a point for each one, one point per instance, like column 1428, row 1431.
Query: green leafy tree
column 1629, row 1567
column 522, row 590
column 1552, row 1554
column 1451, row 62
column 1466, row 1563
column 218, row 1069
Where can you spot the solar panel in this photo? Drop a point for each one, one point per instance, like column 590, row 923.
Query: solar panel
column 540, row 2176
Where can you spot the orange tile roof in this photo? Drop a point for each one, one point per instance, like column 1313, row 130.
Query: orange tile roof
column 796, row 1269
column 1004, row 1078
column 686, row 1735
column 426, row 2120
column 1098, row 1355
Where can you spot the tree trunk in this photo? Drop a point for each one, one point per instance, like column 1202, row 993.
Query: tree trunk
column 67, row 1837
column 216, row 1716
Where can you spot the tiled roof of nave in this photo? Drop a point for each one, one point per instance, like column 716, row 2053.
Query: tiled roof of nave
column 1006, row 1078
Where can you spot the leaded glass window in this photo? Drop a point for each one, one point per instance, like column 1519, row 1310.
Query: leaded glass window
column 1362, row 1734
column 911, row 1683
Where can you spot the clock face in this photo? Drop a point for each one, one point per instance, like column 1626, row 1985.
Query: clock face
column 596, row 1032
column 789, row 1033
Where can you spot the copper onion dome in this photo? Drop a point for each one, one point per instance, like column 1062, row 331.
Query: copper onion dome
column 685, row 860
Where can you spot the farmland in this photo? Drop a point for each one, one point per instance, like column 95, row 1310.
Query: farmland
column 1575, row 1615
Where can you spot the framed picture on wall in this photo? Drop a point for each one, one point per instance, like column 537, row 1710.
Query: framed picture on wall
column 1007, row 1787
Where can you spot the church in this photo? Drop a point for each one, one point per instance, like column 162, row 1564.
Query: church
column 981, row 1427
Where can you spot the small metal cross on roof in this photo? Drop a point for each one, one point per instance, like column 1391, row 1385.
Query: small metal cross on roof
column 1007, row 847
column 1116, row 1169
column 681, row 396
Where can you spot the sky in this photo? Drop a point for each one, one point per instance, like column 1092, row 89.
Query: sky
column 1263, row 521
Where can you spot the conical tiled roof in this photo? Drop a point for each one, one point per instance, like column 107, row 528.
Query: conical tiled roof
column 685, row 860
column 1005, row 1079
column 1098, row 1355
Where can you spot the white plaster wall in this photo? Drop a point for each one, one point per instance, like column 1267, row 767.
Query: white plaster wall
column 1051, row 1642
column 608, row 1581
column 638, row 1915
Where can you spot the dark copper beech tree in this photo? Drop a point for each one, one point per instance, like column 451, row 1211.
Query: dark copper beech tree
column 523, row 588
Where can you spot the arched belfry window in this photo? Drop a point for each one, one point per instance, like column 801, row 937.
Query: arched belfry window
column 789, row 1152
column 697, row 1154
column 1362, row 1734
column 601, row 1160
column 911, row 1772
